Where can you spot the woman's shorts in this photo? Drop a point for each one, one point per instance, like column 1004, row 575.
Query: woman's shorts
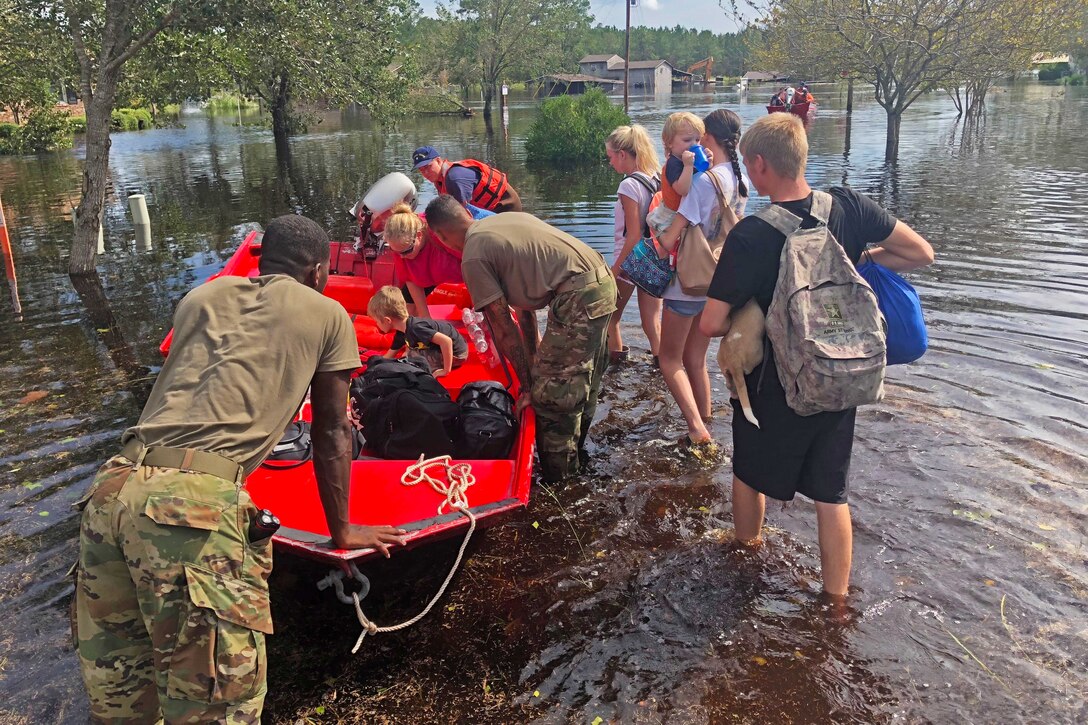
column 408, row 295
column 684, row 308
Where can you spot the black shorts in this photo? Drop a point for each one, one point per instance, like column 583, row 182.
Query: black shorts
column 408, row 295
column 789, row 453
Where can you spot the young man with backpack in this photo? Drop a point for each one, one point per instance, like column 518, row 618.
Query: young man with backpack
column 808, row 288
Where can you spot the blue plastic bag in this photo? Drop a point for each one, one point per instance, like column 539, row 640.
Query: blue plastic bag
column 899, row 303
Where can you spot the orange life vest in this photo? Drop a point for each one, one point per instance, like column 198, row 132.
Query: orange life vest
column 489, row 190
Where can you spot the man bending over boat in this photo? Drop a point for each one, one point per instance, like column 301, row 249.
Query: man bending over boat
column 516, row 260
column 468, row 181
column 171, row 598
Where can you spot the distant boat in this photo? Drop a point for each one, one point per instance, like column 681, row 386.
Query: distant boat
column 797, row 109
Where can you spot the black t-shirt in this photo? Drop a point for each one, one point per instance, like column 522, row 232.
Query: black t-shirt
column 750, row 258
column 419, row 331
column 674, row 167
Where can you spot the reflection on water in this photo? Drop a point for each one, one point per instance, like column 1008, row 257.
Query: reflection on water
column 620, row 596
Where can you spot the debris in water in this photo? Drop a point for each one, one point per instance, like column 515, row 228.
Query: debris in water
column 33, row 396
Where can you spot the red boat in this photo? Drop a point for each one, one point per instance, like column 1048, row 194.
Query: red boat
column 797, row 109
column 377, row 494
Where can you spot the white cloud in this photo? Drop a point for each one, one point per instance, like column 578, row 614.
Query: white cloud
column 651, row 4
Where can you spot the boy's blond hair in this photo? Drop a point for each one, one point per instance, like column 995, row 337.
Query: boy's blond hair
column 387, row 302
column 781, row 140
column 677, row 122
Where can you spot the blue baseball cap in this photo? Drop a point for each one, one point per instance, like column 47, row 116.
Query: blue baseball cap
column 424, row 155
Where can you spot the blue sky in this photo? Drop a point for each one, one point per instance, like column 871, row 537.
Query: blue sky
column 699, row 14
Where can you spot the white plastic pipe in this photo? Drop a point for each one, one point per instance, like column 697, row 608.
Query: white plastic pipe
column 137, row 205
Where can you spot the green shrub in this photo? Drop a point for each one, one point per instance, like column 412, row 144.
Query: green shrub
column 131, row 119
column 1077, row 79
column 572, row 130
column 78, row 124
column 45, row 130
column 228, row 103
column 10, row 138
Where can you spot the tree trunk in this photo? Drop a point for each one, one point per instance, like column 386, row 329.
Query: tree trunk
column 850, row 96
column 891, row 145
column 280, row 109
column 95, row 173
column 489, row 96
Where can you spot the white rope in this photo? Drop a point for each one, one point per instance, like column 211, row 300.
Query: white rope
column 458, row 478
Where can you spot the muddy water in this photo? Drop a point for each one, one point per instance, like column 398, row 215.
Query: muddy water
column 619, row 596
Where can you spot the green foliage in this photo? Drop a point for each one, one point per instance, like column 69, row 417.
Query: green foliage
column 131, row 119
column 223, row 102
column 45, row 130
column 77, row 124
column 1053, row 71
column 571, row 130
column 1077, row 79
column 288, row 52
column 494, row 40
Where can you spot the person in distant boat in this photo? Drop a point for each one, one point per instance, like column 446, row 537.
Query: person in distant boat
column 420, row 260
column 468, row 181
column 516, row 260
column 171, row 602
column 803, row 95
column 779, row 98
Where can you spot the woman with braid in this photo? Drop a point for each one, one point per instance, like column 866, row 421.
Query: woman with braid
column 683, row 346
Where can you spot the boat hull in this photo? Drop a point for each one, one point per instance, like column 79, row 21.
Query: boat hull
column 797, row 109
column 378, row 497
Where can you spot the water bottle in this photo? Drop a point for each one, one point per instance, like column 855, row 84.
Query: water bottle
column 702, row 163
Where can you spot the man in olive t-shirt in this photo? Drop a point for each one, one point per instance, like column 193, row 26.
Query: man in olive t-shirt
column 171, row 596
column 516, row 260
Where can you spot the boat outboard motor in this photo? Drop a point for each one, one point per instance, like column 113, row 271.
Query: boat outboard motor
column 380, row 198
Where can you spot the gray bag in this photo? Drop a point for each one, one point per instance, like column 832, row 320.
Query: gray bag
column 824, row 322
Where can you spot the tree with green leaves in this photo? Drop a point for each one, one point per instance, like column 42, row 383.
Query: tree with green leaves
column 293, row 52
column 34, row 58
column 514, row 38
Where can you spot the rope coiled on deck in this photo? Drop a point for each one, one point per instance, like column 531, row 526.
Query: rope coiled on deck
column 454, row 490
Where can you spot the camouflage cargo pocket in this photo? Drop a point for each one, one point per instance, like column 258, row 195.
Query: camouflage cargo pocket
column 566, row 393
column 219, row 655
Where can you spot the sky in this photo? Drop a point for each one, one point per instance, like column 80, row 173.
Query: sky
column 698, row 14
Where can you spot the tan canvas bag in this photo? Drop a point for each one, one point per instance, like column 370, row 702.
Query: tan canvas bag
column 697, row 255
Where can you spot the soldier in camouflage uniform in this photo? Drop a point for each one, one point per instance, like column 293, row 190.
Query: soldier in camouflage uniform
column 515, row 260
column 171, row 604
column 171, row 598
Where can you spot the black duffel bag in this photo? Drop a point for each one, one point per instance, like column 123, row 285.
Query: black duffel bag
column 404, row 410
column 488, row 423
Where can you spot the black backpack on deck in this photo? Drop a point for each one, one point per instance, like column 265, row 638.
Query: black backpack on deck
column 488, row 423
column 404, row 410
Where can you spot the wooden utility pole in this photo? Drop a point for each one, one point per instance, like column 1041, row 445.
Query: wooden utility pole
column 627, row 59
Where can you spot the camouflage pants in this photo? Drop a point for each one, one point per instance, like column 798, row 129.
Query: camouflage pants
column 567, row 373
column 171, row 604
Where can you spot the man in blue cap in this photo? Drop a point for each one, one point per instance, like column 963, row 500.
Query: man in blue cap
column 468, row 181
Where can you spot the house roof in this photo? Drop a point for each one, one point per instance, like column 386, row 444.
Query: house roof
column 599, row 58
column 1042, row 58
column 578, row 78
column 643, row 64
column 761, row 75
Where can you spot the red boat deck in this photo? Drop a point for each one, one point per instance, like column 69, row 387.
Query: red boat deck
column 377, row 495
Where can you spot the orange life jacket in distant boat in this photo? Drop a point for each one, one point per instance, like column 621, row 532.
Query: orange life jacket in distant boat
column 489, row 190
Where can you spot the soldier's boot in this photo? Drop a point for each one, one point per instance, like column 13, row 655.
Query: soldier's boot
column 556, row 466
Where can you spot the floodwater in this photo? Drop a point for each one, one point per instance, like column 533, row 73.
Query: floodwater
column 619, row 598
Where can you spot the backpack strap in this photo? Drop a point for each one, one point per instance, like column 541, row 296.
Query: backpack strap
column 784, row 221
column 651, row 184
column 821, row 206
